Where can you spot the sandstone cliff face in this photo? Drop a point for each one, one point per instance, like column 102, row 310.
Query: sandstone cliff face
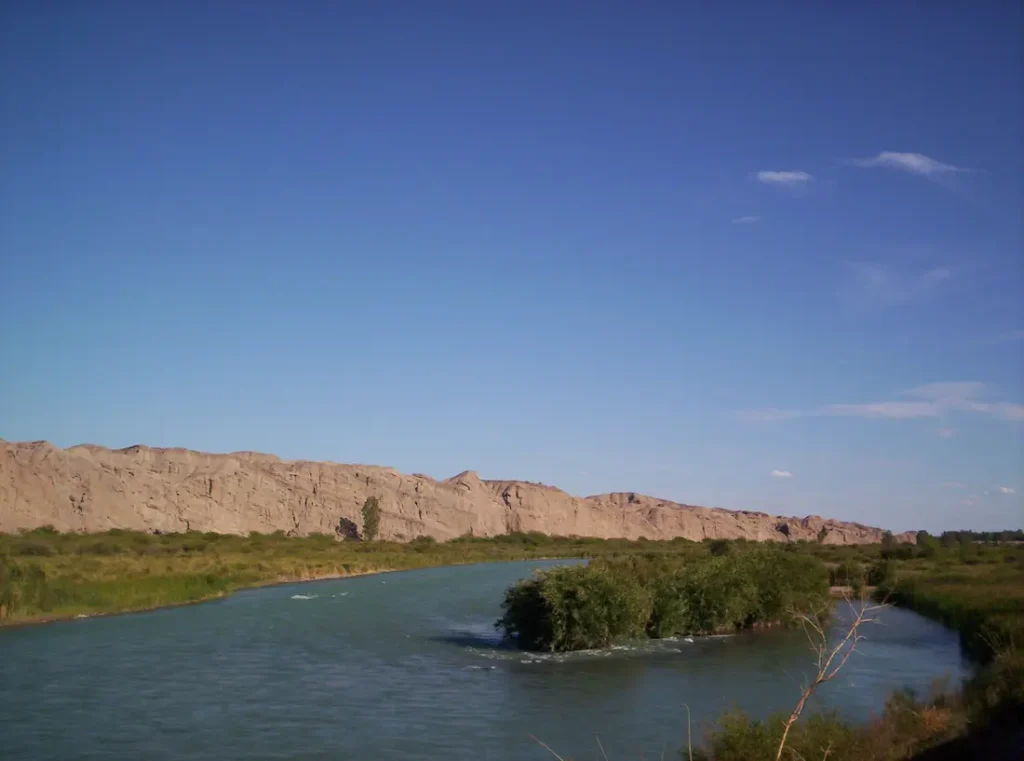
column 89, row 488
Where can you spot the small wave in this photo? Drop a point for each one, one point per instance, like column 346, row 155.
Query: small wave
column 479, row 668
column 304, row 597
column 641, row 648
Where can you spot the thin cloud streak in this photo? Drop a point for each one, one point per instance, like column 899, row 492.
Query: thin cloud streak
column 781, row 474
column 891, row 410
column 931, row 400
column 873, row 286
column 913, row 163
column 746, row 220
column 790, row 178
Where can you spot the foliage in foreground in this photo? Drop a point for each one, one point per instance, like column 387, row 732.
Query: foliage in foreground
column 593, row 606
column 989, row 705
column 905, row 727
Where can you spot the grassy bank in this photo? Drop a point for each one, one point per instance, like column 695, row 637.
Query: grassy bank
column 45, row 575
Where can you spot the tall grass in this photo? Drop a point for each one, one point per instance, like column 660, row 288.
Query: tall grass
column 980, row 595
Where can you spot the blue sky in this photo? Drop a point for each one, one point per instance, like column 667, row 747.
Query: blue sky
column 748, row 256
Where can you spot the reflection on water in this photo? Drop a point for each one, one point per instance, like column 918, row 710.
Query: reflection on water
column 405, row 666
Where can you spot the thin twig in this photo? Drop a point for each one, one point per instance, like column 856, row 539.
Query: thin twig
column 546, row 747
column 602, row 748
column 689, row 747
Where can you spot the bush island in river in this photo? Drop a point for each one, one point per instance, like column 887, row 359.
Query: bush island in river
column 613, row 600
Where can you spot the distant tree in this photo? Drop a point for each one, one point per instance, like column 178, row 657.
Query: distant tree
column 822, row 534
column 371, row 518
column 888, row 541
column 927, row 544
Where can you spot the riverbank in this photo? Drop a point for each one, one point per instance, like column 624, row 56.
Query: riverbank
column 46, row 576
column 40, row 620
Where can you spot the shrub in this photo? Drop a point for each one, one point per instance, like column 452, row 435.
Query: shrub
column 720, row 547
column 33, row 549
column 21, row 587
column 591, row 606
column 575, row 608
column 669, row 607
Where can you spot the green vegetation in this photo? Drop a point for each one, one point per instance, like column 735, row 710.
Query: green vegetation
column 371, row 518
column 608, row 601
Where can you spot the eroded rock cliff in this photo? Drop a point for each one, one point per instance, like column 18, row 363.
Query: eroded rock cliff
column 90, row 488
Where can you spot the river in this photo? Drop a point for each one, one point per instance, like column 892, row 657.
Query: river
column 404, row 666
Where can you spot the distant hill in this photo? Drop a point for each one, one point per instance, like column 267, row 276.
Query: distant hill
column 91, row 488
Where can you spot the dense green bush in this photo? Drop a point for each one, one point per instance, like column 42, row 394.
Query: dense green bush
column 591, row 606
column 575, row 608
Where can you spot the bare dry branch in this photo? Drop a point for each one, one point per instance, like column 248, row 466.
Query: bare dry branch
column 546, row 747
column 830, row 660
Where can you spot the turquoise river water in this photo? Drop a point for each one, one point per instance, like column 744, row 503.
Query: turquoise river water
column 404, row 666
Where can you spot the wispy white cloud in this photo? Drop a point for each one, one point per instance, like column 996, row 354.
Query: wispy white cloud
column 873, row 286
column 750, row 220
column 791, row 178
column 946, row 433
column 931, row 400
column 914, row 163
column 771, row 414
column 1009, row 337
column 969, row 501
column 894, row 410
column 1007, row 490
column 1003, row 410
column 781, row 474
column 949, row 392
